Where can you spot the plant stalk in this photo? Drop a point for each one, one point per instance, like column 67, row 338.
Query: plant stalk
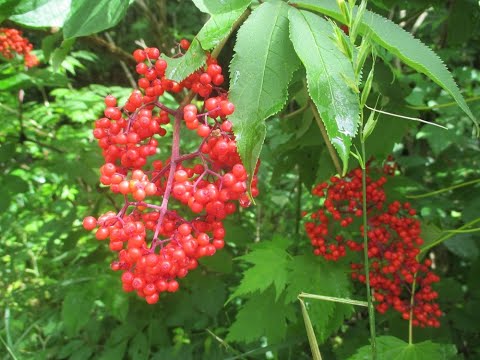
column 371, row 309
column 331, row 150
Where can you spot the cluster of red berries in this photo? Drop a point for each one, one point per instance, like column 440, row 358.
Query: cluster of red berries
column 189, row 195
column 394, row 238
column 12, row 42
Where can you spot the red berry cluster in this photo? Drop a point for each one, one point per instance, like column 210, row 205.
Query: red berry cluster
column 394, row 237
column 12, row 41
column 204, row 184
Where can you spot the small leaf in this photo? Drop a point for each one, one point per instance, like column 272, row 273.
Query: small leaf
column 268, row 316
column 61, row 52
column 89, row 17
column 179, row 68
column 218, row 27
column 269, row 261
column 260, row 71
column 326, row 68
column 389, row 347
column 310, row 274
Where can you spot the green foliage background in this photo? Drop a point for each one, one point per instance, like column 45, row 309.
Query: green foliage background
column 58, row 299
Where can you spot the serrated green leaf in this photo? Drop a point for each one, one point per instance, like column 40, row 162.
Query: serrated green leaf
column 179, row 68
column 400, row 43
column 260, row 71
column 218, row 27
column 42, row 13
column 310, row 274
column 89, row 17
column 392, row 348
column 268, row 316
column 269, row 261
column 326, row 66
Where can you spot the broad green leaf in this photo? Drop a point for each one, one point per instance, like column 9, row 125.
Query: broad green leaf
column 326, row 68
column 179, row 68
column 260, row 71
column 13, row 81
column 311, row 274
column 42, row 13
column 400, row 43
column 269, row 261
column 392, row 348
column 260, row 316
column 219, row 26
column 89, row 17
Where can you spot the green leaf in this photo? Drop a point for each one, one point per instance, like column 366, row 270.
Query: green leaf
column 61, row 52
column 89, row 17
column 326, row 68
column 179, row 68
column 219, row 26
column 310, row 274
column 392, row 348
column 260, row 71
column 260, row 316
column 463, row 245
column 6, row 8
column 42, row 13
column 400, row 43
column 76, row 309
column 220, row 6
column 269, row 261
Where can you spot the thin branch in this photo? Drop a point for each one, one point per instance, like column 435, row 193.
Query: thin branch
column 331, row 150
column 124, row 66
column 406, row 117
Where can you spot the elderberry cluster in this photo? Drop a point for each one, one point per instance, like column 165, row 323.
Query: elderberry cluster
column 394, row 238
column 12, row 42
column 174, row 206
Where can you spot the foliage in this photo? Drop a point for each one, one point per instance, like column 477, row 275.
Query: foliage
column 59, row 299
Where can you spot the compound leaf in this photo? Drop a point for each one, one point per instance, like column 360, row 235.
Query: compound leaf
column 326, row 68
column 400, row 43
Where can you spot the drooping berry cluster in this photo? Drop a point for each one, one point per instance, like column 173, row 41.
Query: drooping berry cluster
column 12, row 42
column 205, row 184
column 394, row 238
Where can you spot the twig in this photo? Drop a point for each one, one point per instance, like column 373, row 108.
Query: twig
column 329, row 145
column 124, row 66
column 406, row 117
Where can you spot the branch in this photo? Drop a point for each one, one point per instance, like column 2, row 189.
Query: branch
column 330, row 148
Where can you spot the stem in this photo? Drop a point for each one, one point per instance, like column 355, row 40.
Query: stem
column 296, row 112
column 312, row 340
column 334, row 299
column 449, row 235
column 410, row 318
column 330, row 148
column 371, row 310
column 432, row 193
